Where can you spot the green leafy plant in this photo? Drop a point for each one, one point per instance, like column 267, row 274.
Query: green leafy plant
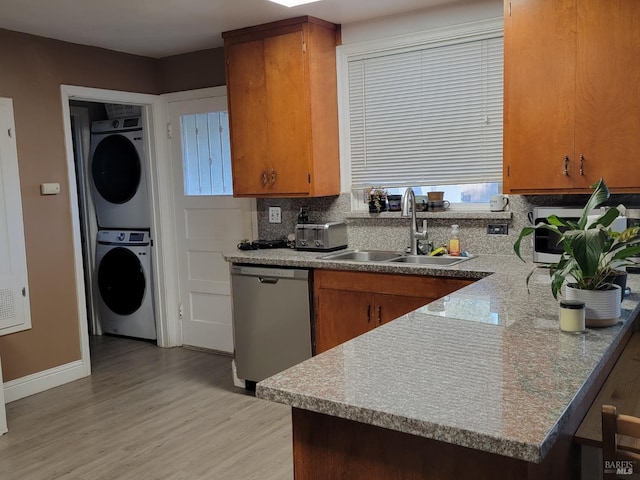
column 591, row 249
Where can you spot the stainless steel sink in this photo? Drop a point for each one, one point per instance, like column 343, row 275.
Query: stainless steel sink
column 362, row 255
column 425, row 260
column 393, row 257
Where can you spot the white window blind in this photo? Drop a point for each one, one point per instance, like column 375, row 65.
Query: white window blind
column 430, row 115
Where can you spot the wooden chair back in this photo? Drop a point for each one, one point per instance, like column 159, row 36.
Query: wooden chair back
column 619, row 456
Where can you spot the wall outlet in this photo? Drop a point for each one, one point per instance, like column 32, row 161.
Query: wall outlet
column 275, row 215
column 497, row 229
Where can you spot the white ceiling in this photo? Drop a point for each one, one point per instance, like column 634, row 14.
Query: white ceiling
column 159, row 28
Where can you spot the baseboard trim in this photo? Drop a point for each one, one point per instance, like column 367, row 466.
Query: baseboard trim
column 41, row 381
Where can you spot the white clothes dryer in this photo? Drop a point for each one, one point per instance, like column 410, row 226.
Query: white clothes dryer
column 125, row 303
column 119, row 174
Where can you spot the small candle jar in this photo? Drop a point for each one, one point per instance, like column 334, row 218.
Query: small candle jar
column 572, row 316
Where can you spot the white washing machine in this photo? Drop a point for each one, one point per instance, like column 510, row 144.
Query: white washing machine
column 123, row 276
column 119, row 175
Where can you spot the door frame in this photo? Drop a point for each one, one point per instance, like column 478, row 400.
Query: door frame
column 82, row 133
column 162, row 218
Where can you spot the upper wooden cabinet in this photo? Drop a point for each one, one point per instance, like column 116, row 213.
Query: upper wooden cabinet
column 572, row 90
column 283, row 109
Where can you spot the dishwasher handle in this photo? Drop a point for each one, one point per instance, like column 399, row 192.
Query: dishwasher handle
column 268, row 280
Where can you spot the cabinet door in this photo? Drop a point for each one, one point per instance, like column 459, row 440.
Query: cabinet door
column 539, row 98
column 287, row 114
column 608, row 91
column 247, row 98
column 340, row 316
column 390, row 307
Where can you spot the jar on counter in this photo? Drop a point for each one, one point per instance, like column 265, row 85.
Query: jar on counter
column 572, row 316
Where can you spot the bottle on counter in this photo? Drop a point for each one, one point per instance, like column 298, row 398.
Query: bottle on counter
column 454, row 241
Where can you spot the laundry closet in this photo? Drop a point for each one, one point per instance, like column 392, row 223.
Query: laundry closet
column 112, row 170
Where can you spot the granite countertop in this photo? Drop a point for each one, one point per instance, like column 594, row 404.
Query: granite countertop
column 475, row 268
column 485, row 367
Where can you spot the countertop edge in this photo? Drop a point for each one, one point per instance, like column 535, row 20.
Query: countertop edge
column 452, row 435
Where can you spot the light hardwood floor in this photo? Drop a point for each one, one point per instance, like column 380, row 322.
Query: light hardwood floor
column 147, row 413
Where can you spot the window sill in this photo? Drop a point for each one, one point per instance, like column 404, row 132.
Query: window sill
column 448, row 214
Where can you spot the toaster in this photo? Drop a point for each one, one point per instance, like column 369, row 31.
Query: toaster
column 321, row 237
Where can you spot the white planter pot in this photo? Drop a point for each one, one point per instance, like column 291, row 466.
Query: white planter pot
column 602, row 307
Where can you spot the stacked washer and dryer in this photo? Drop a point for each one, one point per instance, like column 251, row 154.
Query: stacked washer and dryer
column 123, row 250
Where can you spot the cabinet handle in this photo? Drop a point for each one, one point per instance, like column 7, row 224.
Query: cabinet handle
column 565, row 170
column 379, row 314
column 369, row 313
column 581, row 164
column 264, row 178
column 273, row 177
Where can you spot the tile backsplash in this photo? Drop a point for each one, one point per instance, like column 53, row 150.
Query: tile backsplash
column 384, row 233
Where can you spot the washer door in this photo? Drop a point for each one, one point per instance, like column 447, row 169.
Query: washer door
column 116, row 169
column 121, row 281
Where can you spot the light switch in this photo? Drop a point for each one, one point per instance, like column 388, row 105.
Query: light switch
column 49, row 188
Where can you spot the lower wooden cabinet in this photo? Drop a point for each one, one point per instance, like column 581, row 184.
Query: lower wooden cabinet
column 348, row 304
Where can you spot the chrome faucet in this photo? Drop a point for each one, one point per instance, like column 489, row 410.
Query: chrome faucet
column 409, row 204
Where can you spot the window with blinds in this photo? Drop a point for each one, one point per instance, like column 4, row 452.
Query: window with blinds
column 429, row 114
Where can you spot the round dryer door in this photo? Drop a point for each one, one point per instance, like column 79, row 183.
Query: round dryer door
column 121, row 281
column 116, row 169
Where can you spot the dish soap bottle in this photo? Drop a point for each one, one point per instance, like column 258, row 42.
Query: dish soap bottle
column 454, row 241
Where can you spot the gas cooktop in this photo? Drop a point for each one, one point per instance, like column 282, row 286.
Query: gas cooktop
column 262, row 244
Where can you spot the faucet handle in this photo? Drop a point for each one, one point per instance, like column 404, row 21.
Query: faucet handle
column 422, row 234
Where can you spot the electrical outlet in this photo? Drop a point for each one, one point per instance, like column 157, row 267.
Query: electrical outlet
column 275, row 215
column 497, row 229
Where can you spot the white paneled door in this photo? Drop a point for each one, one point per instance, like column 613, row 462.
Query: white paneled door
column 209, row 220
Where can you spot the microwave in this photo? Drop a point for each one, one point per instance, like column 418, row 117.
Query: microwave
column 546, row 248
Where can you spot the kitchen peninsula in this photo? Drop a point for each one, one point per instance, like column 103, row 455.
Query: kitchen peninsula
column 478, row 384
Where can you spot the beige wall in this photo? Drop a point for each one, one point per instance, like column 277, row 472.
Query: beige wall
column 191, row 71
column 31, row 72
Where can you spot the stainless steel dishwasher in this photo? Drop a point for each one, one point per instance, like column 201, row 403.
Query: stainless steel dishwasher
column 271, row 319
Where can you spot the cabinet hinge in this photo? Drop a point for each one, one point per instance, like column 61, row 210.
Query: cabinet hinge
column 169, row 131
column 309, row 178
column 304, row 47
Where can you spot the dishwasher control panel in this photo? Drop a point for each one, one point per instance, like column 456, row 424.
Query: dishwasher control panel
column 268, row 272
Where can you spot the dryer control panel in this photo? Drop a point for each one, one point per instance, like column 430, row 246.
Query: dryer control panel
column 116, row 125
column 124, row 237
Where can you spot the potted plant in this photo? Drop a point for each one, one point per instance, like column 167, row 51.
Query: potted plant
column 592, row 252
column 377, row 199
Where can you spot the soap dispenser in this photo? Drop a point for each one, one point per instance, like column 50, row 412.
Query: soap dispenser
column 454, row 241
